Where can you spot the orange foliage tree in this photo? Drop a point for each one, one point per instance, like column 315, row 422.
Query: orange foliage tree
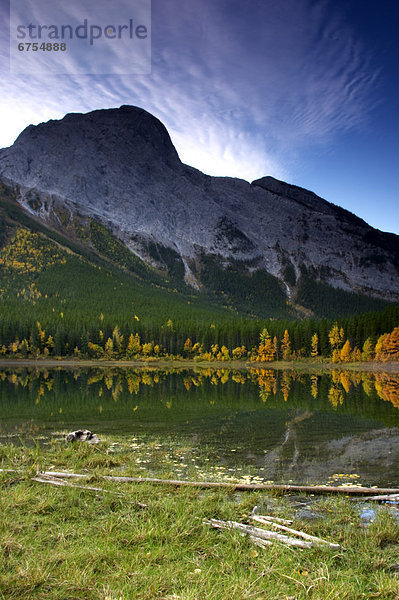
column 387, row 346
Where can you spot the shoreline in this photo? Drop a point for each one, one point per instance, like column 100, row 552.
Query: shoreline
column 128, row 540
column 301, row 365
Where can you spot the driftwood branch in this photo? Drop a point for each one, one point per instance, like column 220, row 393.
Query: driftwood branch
column 257, row 532
column 64, row 474
column 60, row 482
column 263, row 537
column 268, row 518
column 259, row 542
column 383, row 497
column 306, row 536
column 358, row 491
column 309, row 489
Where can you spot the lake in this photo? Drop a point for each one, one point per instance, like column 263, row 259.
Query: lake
column 256, row 425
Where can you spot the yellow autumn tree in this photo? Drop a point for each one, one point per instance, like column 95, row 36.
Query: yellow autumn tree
column 95, row 350
column 197, row 349
column 264, row 336
column 215, row 349
column 266, row 350
column 314, row 346
column 286, row 346
column 41, row 332
column 387, row 347
column 147, row 349
column 336, row 338
column 345, row 354
column 109, row 348
column 188, row 347
column 392, row 346
column 24, row 347
column 239, row 352
column 133, row 346
column 50, row 342
column 356, row 354
column 368, row 350
column 225, row 355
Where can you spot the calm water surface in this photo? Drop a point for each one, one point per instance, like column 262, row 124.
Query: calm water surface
column 260, row 424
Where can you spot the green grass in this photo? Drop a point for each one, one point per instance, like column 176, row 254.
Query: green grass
column 72, row 544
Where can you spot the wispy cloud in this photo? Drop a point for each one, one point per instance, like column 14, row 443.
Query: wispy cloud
column 242, row 87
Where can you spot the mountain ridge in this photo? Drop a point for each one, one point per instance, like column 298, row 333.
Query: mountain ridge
column 120, row 168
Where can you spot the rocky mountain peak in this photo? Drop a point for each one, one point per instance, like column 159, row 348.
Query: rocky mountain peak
column 111, row 135
column 119, row 167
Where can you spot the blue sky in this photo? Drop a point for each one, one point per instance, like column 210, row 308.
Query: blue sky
column 306, row 91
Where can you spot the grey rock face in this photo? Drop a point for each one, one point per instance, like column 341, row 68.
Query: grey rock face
column 120, row 167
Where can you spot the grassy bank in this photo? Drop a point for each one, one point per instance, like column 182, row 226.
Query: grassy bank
column 74, row 544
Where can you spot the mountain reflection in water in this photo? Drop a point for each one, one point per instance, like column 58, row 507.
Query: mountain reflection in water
column 280, row 425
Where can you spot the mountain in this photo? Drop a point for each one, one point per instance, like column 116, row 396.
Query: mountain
column 112, row 181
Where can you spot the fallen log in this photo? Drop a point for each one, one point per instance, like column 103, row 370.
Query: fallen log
column 259, row 542
column 268, row 518
column 60, row 482
column 257, row 532
column 328, row 489
column 309, row 489
column 383, row 497
column 64, row 474
column 306, row 536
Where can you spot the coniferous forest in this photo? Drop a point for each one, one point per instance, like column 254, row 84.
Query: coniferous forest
column 60, row 297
